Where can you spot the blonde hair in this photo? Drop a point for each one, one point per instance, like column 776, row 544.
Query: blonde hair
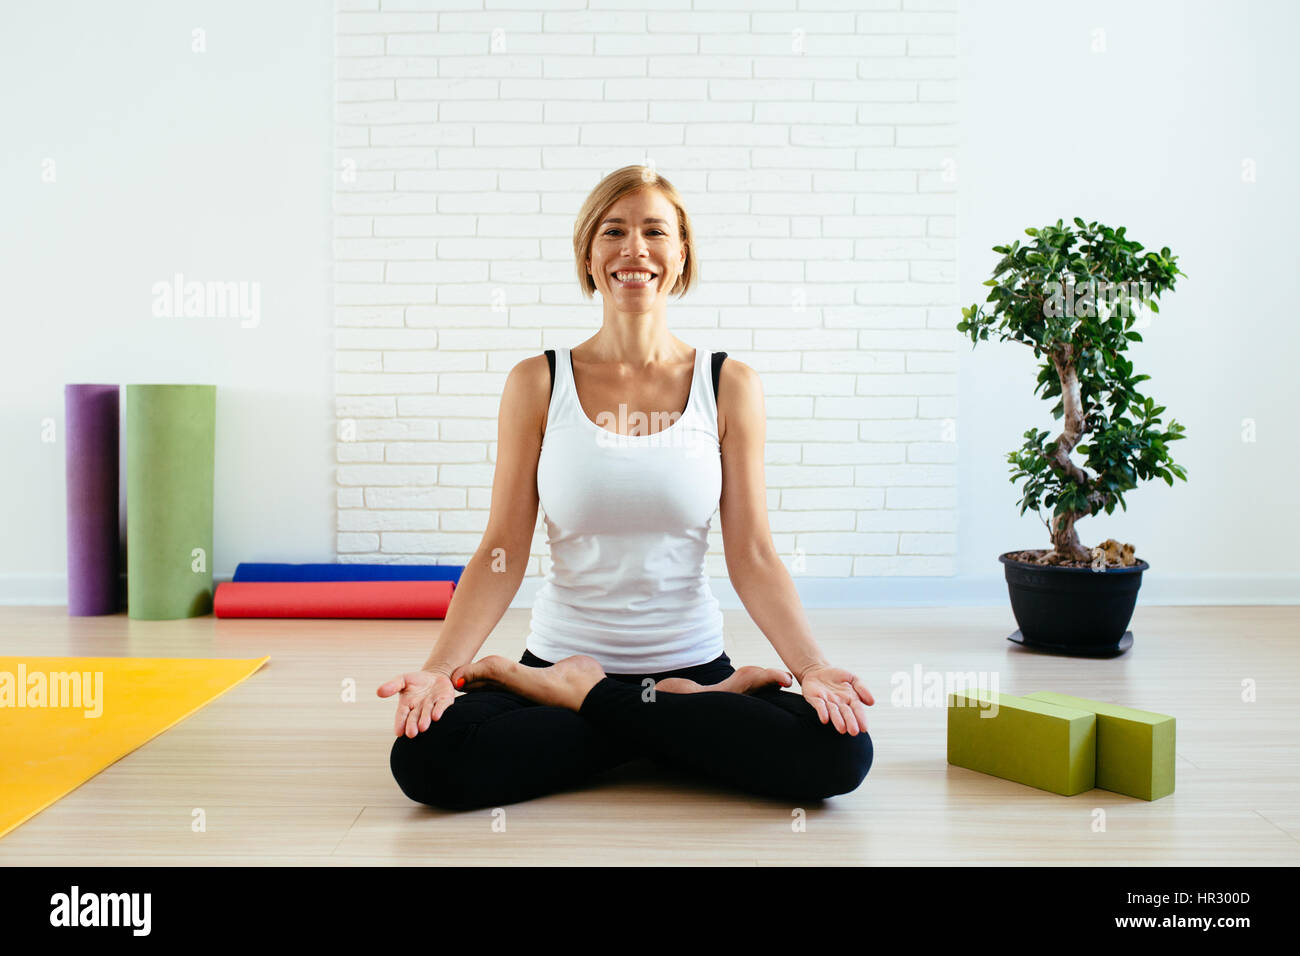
column 609, row 191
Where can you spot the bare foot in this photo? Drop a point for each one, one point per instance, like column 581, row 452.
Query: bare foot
column 745, row 679
column 564, row 684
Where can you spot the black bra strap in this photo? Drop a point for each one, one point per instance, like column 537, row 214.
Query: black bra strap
column 550, row 360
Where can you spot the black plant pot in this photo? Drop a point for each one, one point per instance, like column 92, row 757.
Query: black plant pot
column 1075, row 611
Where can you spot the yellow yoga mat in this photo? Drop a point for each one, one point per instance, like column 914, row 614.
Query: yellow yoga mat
column 64, row 719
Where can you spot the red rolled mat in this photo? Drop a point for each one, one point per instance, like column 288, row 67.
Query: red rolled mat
column 395, row 599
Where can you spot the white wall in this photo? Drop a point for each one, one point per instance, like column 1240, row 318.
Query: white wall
column 808, row 146
column 219, row 166
column 1150, row 134
column 215, row 165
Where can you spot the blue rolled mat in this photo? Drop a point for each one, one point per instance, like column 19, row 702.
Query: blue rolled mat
column 347, row 572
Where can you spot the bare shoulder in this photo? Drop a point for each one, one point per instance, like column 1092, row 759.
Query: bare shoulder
column 527, row 393
column 740, row 394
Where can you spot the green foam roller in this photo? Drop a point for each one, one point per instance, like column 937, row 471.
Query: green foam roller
column 1135, row 748
column 1032, row 742
column 170, row 452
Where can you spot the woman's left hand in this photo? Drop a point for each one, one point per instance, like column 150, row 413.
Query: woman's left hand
column 839, row 695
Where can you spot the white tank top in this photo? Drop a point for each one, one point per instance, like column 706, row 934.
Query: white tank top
column 627, row 521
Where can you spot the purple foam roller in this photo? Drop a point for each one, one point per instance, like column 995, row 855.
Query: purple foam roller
column 91, row 436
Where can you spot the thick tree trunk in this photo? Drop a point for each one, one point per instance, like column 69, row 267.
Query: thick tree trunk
column 1065, row 540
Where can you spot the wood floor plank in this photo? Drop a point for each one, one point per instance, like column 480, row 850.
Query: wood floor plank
column 292, row 772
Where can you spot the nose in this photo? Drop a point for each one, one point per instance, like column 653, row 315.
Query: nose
column 634, row 244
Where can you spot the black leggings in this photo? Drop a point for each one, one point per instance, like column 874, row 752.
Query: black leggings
column 494, row 747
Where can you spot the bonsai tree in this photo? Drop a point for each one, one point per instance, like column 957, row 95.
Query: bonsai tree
column 1073, row 296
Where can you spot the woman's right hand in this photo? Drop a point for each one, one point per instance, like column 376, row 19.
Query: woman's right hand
column 425, row 695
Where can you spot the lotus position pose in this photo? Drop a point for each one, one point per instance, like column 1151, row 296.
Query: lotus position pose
column 624, row 658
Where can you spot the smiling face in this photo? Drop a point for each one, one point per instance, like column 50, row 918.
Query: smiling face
column 639, row 234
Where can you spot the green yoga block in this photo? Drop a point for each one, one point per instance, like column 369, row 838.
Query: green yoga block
column 1032, row 742
column 170, row 454
column 1135, row 748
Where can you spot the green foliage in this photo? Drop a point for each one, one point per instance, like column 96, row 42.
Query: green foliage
column 1052, row 295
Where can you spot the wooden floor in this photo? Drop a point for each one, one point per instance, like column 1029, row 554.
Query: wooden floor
column 287, row 773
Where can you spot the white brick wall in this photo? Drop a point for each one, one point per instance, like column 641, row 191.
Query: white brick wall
column 814, row 144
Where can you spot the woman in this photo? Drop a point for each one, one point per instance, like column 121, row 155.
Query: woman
column 625, row 655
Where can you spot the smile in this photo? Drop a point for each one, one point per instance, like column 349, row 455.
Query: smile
column 634, row 279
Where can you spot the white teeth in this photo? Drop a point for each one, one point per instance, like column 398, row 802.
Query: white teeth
column 633, row 276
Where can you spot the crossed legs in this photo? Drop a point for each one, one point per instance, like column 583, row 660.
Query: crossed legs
column 496, row 746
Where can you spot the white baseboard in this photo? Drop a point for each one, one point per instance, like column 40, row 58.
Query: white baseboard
column 956, row 591
column 991, row 591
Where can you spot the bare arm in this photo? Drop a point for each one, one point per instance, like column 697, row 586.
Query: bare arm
column 753, row 564
column 493, row 575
